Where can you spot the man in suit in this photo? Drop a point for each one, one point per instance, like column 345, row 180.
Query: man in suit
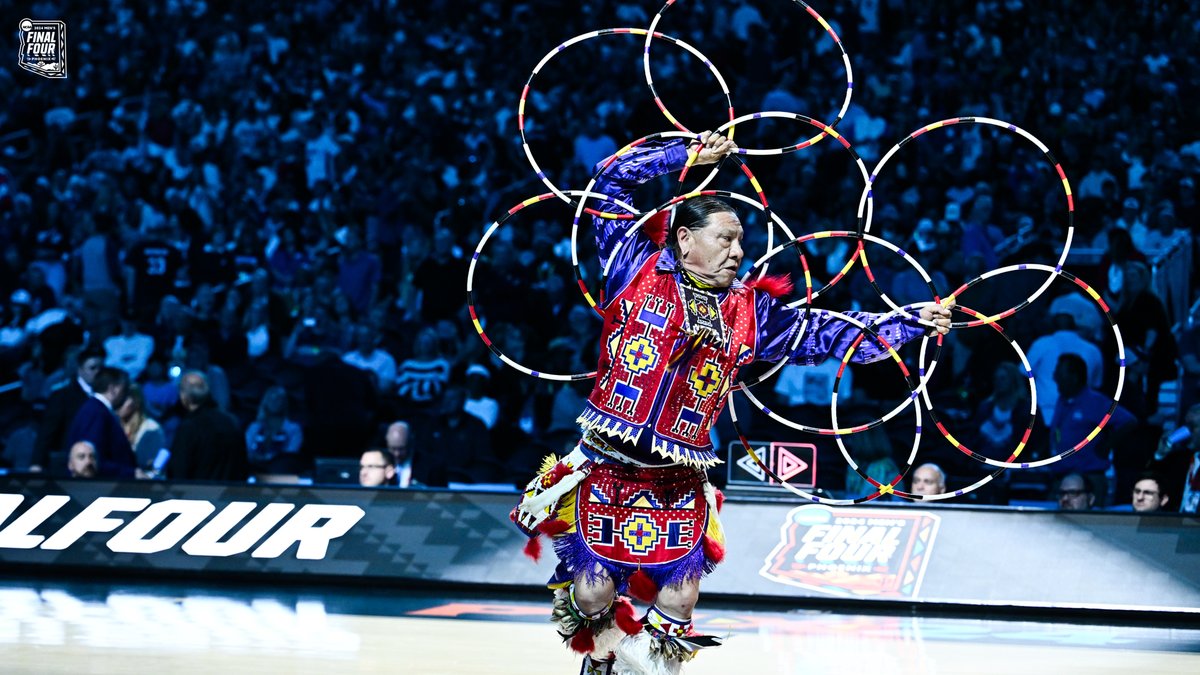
column 209, row 444
column 96, row 422
column 61, row 408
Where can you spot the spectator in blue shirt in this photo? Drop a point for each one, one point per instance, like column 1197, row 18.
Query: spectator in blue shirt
column 1078, row 411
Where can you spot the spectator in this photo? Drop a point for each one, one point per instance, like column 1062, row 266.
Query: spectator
column 813, row 385
column 376, row 468
column 369, row 357
column 81, row 460
column 144, row 432
column 928, row 479
column 1147, row 332
column 453, row 447
column 273, row 441
column 97, row 422
column 873, row 451
column 397, row 445
column 153, row 265
column 129, row 350
column 1043, row 359
column 421, row 378
column 479, row 404
column 1074, row 493
column 159, row 388
column 439, row 278
column 208, row 444
column 1149, row 495
column 14, row 333
column 1182, row 458
column 1001, row 419
column 62, row 407
column 1079, row 411
column 358, row 272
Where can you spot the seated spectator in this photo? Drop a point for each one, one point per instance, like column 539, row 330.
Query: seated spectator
column 453, row 447
column 1001, row 419
column 1079, row 410
column 1149, row 494
column 209, row 444
column 367, row 356
column 129, row 350
column 873, row 451
column 478, row 402
column 1074, row 494
column 928, row 479
column 272, row 440
column 144, row 432
column 376, row 468
column 397, row 445
column 1043, row 359
column 97, row 423
column 81, row 460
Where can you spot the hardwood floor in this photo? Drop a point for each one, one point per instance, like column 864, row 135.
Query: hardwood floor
column 102, row 628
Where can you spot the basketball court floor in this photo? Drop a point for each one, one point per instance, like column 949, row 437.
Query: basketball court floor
column 179, row 627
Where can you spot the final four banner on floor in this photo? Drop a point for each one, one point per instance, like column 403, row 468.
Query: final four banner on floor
column 899, row 552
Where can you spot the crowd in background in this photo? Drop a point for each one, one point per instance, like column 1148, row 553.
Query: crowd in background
column 247, row 227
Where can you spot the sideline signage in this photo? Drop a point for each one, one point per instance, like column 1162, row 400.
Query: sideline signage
column 854, row 552
column 795, row 463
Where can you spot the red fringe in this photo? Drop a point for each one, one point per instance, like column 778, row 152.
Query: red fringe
column 712, row 550
column 626, row 620
column 720, row 500
column 584, row 641
column 642, row 587
column 774, row 285
column 553, row 528
column 533, row 548
column 656, row 227
column 559, row 472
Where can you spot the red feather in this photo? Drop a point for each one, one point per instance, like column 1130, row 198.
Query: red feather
column 533, row 548
column 656, row 227
column 552, row 528
column 720, row 500
column 626, row 620
column 712, row 550
column 642, row 587
column 774, row 285
column 559, row 472
column 584, row 641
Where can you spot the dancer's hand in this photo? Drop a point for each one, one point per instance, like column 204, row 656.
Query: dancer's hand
column 939, row 315
column 713, row 147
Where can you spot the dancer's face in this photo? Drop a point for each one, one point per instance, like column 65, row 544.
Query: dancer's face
column 713, row 253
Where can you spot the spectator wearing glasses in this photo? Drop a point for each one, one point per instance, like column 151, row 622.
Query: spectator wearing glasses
column 1149, row 494
column 376, row 468
column 1074, row 494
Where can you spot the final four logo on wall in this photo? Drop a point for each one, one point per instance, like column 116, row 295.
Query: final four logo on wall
column 43, row 48
column 853, row 552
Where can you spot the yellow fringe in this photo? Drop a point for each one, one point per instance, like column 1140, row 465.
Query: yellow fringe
column 566, row 509
column 548, row 463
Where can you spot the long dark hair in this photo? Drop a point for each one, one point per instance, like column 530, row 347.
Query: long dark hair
column 694, row 214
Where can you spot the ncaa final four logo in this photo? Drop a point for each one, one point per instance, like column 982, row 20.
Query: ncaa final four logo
column 44, row 48
column 854, row 552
